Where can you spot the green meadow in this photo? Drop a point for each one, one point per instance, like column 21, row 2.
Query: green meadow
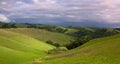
column 16, row 48
column 28, row 46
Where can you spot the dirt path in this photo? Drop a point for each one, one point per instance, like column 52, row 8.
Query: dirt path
column 39, row 60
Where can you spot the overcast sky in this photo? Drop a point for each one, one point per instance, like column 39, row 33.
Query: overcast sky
column 89, row 12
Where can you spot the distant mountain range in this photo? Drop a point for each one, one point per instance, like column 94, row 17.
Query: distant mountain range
column 64, row 23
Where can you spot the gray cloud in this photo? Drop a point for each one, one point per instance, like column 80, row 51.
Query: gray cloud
column 59, row 11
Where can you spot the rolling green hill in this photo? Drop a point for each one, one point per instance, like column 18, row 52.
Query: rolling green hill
column 98, row 51
column 69, row 31
column 16, row 48
column 44, row 35
column 26, row 44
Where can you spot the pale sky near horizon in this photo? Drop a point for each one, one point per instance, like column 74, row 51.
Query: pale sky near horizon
column 60, row 11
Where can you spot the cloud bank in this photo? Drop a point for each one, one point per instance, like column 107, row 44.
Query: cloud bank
column 63, row 11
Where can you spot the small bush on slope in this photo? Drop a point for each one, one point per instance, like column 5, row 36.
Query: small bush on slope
column 57, row 50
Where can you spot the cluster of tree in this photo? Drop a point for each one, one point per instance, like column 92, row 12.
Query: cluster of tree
column 51, row 28
column 53, row 43
column 78, row 41
column 94, row 32
column 82, row 36
column 103, row 32
column 117, row 29
column 8, row 25
column 82, row 31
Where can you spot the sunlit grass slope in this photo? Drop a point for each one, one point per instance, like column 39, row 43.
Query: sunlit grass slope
column 71, row 31
column 44, row 35
column 98, row 51
column 16, row 48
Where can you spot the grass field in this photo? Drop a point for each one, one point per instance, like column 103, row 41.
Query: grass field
column 71, row 31
column 27, row 46
column 44, row 35
column 16, row 48
column 98, row 51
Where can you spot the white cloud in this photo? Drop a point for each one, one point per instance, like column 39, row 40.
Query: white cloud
column 3, row 18
column 3, row 3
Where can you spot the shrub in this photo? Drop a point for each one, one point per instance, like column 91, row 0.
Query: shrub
column 57, row 50
column 49, row 42
column 53, row 43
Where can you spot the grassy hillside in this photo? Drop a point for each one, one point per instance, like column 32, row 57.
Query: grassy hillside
column 44, row 35
column 98, row 51
column 26, row 44
column 69, row 31
column 16, row 48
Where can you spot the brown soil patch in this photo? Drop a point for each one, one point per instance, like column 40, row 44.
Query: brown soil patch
column 37, row 61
